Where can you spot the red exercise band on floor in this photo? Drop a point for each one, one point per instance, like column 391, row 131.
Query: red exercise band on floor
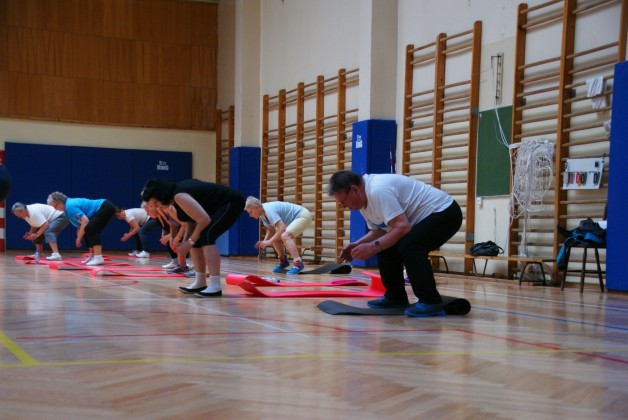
column 236, row 279
column 375, row 289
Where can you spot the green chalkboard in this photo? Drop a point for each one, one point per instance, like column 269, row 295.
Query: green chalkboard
column 493, row 160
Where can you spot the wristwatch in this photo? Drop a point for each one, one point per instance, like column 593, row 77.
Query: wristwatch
column 191, row 241
column 378, row 246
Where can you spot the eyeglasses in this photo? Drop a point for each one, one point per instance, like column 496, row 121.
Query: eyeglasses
column 343, row 202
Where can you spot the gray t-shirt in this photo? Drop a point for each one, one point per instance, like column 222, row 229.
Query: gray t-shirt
column 389, row 195
column 279, row 210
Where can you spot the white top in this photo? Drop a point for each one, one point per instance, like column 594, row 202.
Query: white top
column 389, row 195
column 38, row 214
column 139, row 215
column 279, row 210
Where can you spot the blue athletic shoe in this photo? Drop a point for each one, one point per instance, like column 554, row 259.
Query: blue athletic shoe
column 297, row 267
column 385, row 303
column 424, row 310
column 283, row 263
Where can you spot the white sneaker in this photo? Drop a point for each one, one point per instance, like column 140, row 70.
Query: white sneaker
column 88, row 259
column 142, row 254
column 96, row 260
column 171, row 264
column 54, row 257
column 132, row 253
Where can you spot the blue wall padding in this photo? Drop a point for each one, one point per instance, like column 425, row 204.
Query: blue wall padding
column 37, row 170
column 373, row 148
column 244, row 176
column 617, row 251
column 91, row 172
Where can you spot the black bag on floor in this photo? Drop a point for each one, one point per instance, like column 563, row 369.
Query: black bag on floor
column 488, row 248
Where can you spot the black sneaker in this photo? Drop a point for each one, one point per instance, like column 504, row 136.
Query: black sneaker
column 179, row 269
column 385, row 303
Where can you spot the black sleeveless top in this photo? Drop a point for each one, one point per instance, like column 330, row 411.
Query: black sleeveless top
column 209, row 195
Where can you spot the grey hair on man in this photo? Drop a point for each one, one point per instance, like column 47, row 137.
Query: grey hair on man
column 252, row 202
column 18, row 207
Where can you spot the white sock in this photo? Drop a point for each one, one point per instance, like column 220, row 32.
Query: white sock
column 214, row 284
column 199, row 281
column 297, row 260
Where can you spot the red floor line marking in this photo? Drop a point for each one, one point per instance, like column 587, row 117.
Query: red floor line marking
column 544, row 346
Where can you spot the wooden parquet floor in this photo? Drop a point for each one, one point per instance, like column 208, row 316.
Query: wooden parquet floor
column 76, row 346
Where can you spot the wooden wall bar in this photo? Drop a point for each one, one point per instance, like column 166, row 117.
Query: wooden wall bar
column 440, row 123
column 148, row 63
column 550, row 101
column 306, row 136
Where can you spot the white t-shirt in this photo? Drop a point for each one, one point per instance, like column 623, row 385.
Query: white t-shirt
column 40, row 214
column 389, row 195
column 139, row 215
column 279, row 210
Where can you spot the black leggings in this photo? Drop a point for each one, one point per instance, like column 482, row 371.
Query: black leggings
column 412, row 252
column 97, row 223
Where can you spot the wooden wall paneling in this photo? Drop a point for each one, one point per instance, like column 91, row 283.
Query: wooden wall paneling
column 25, row 13
column 4, row 38
column 148, row 21
column 119, row 103
column 88, row 57
column 59, row 98
column 57, row 54
column 204, row 25
column 203, row 100
column 150, row 105
column 25, row 95
column 176, row 18
column 135, row 41
column 118, row 60
column 148, row 59
column 176, row 107
column 118, row 18
column 87, row 106
column 22, row 50
column 175, row 62
column 5, row 108
column 85, row 16
column 203, row 67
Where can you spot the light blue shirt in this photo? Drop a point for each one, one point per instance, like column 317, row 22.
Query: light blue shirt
column 75, row 208
column 279, row 210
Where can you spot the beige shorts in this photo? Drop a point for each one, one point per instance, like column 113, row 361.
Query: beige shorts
column 298, row 225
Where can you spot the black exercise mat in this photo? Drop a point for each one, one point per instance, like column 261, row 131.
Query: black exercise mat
column 324, row 269
column 452, row 305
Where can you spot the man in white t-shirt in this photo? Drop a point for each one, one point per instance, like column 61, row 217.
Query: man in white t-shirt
column 406, row 219
column 46, row 225
column 284, row 222
column 136, row 218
